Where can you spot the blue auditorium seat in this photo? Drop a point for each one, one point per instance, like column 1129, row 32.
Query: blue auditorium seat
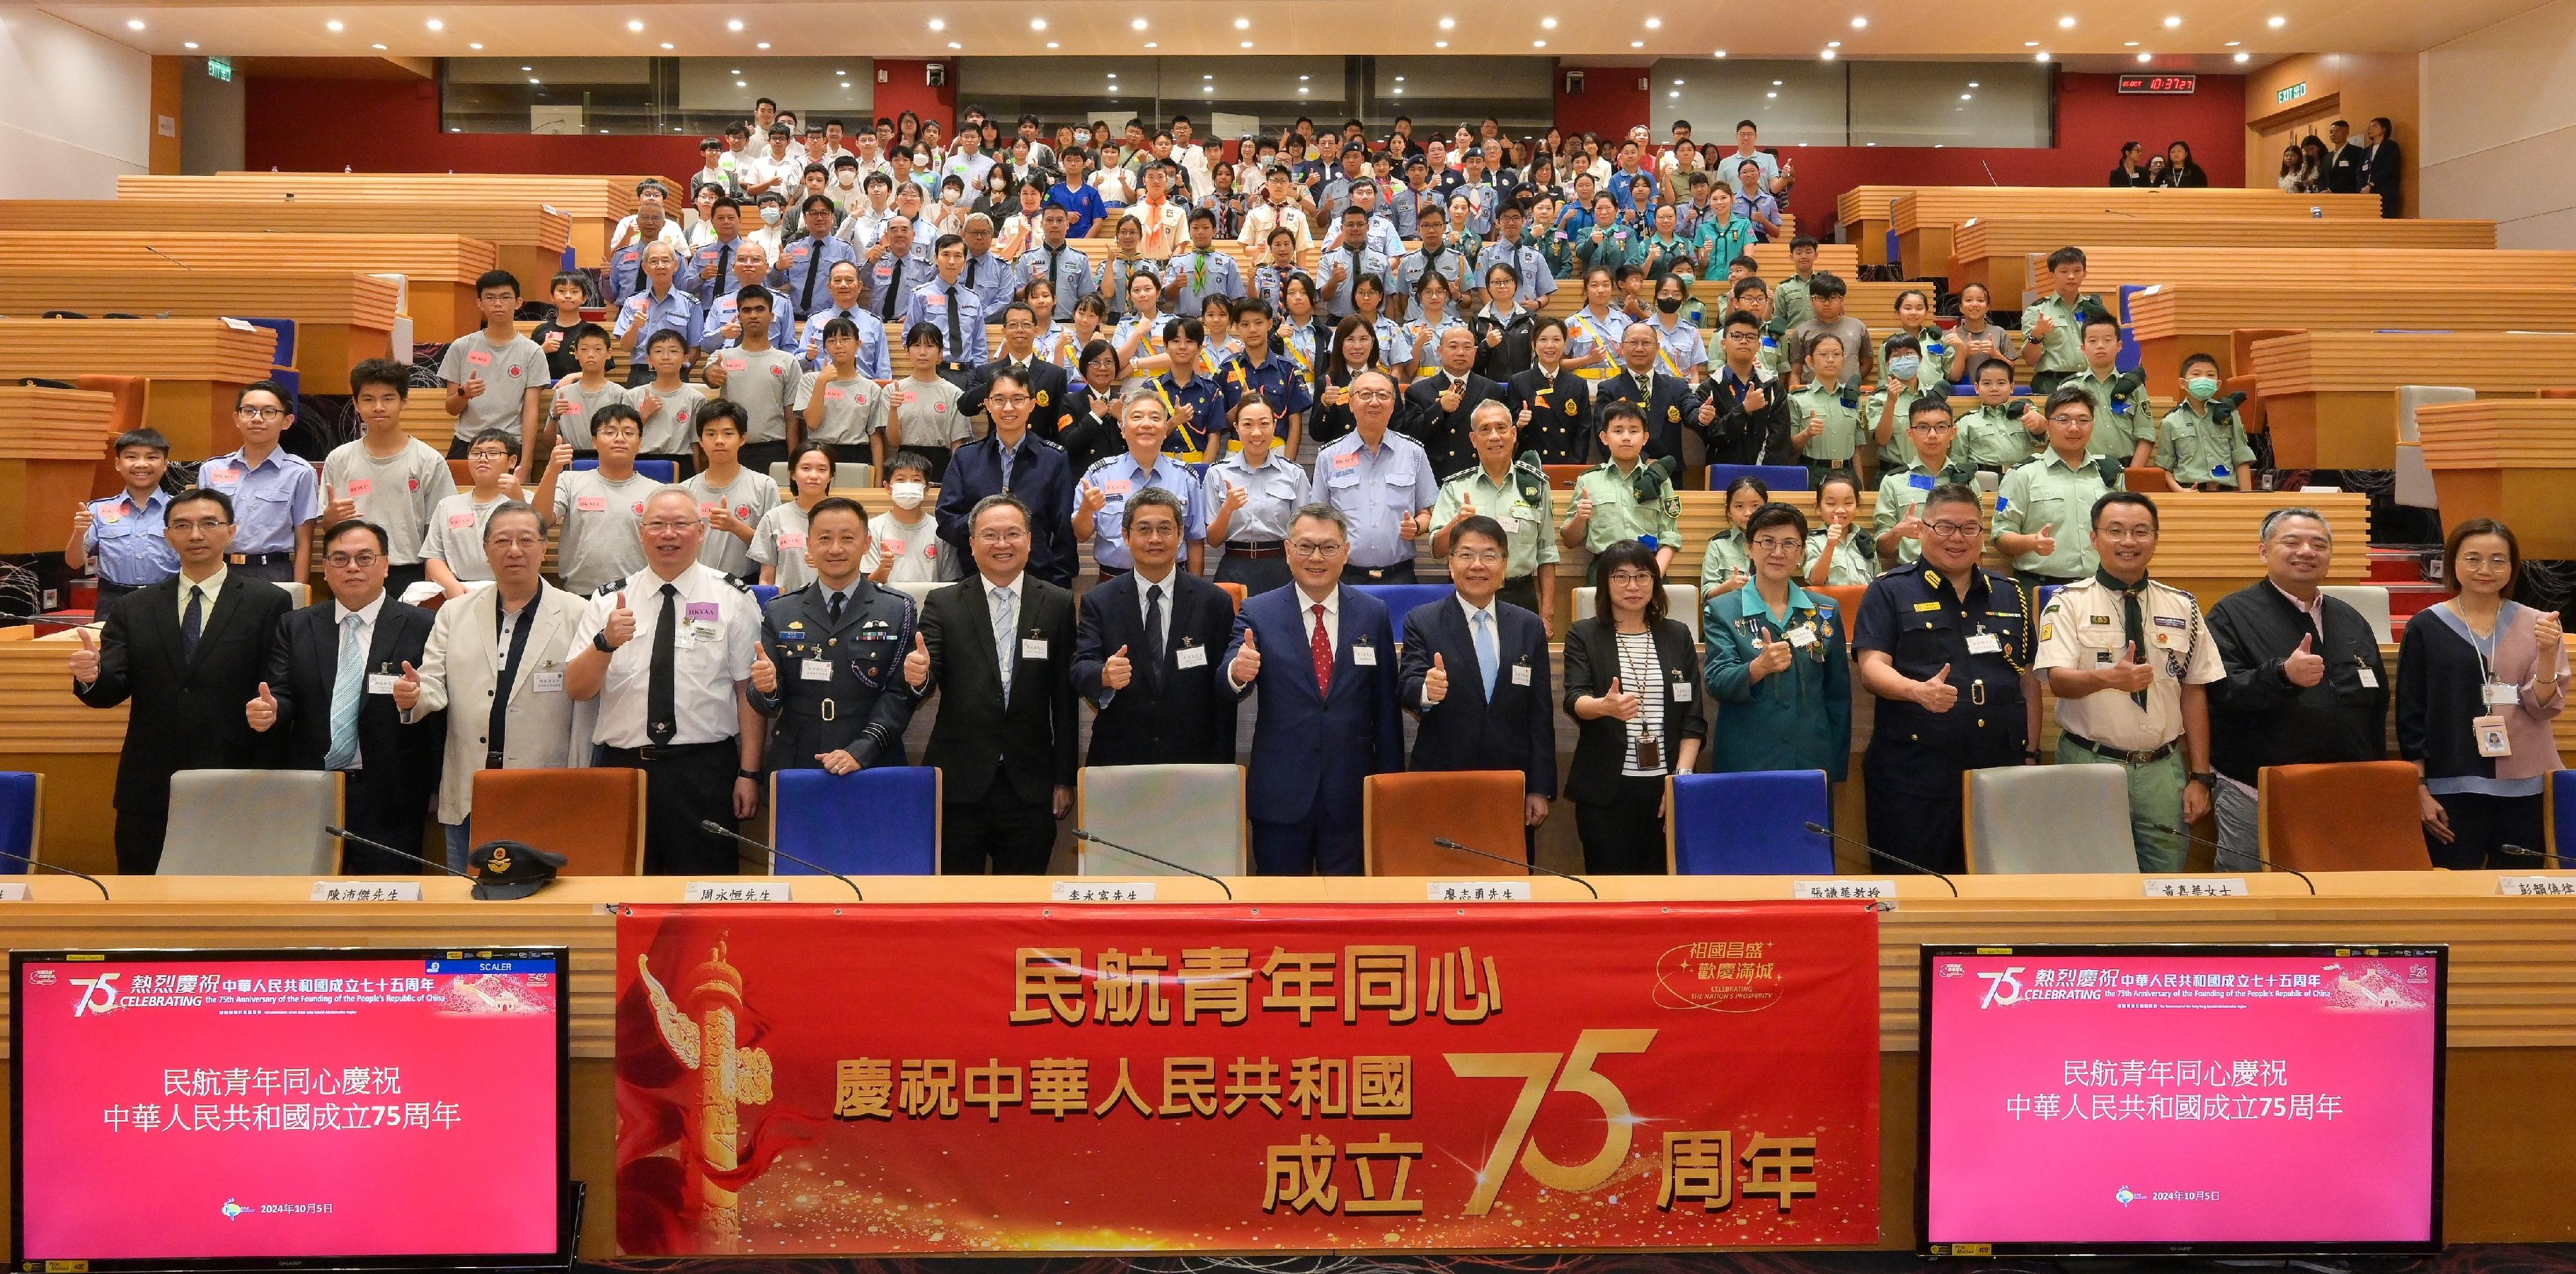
column 1778, row 477
column 1402, row 599
column 657, row 470
column 882, row 822
column 1751, row 824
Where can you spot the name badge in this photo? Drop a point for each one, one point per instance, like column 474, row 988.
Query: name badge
column 815, row 669
column 1520, row 674
column 1681, row 692
column 2195, row 887
column 2523, row 886
column 479, row 358
column 1191, row 657
column 546, row 682
column 381, row 683
column 459, row 521
column 2369, row 679
column 1364, row 655
column 1801, row 638
column 738, row 891
column 835, row 394
column 1479, row 890
column 590, row 504
column 2493, row 741
column 703, row 612
column 2499, row 695
column 226, row 474
column 1985, row 644
column 791, row 540
column 1033, row 648
column 366, row 891
column 1117, row 486
column 1881, row 890
column 361, row 486
column 1920, row 481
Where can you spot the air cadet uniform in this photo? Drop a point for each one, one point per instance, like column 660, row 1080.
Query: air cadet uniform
column 840, row 669
column 2204, row 446
column 1911, row 772
column 1256, row 540
column 2121, row 412
column 1637, row 505
column 808, row 263
column 2062, row 349
column 125, row 545
column 1275, row 381
column 1995, row 438
column 1838, row 447
column 2085, row 627
column 1118, row 478
column 1376, row 489
column 647, row 313
column 1209, row 398
column 1525, row 507
column 2045, row 491
column 1901, row 492
column 1193, row 276
column 1066, row 267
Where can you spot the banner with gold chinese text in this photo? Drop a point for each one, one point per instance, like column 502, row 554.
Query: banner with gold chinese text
column 798, row 1080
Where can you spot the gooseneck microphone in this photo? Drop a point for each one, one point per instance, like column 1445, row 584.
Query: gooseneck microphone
column 1082, row 834
column 2218, row 848
column 1875, row 852
column 715, row 828
column 22, row 858
column 1445, row 843
column 347, row 835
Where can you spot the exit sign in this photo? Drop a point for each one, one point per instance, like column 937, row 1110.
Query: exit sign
column 2159, row 84
column 2290, row 94
column 219, row 68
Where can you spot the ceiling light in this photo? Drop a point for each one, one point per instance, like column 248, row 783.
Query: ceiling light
column 2278, row 22
column 603, row 132
column 1440, row 44
column 1538, row 44
column 2233, row 43
column 635, row 24
column 1114, row 75
column 377, row 47
column 534, row 80
column 666, row 44
column 762, row 45
column 1247, row 44
column 1448, row 24
column 1654, row 23
column 1827, row 55
column 1720, row 53
column 2030, row 44
column 1399, row 92
column 2244, row 57
column 1636, row 44
column 1153, row 44
column 189, row 44
column 1673, row 94
column 938, row 24
column 955, row 45
column 134, row 24
column 1137, row 25
column 1775, row 83
column 1677, row 84
column 459, row 130
column 2146, row 57
column 2128, row 44
column 2172, row 20
column 1773, row 93
column 1967, row 97
column 736, row 84
column 436, row 25
column 841, row 73
column 1243, row 24
column 1207, row 77
column 2066, row 23
column 1859, row 23
column 2043, row 56
column 1053, row 45
column 334, row 25
column 1972, row 84
column 1301, row 90
column 1037, row 24
column 734, row 25
column 1549, row 23
column 1398, row 79
column 1833, row 44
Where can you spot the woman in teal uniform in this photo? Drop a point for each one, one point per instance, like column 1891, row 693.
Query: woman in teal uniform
column 1777, row 664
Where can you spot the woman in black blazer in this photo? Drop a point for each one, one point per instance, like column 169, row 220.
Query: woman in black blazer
column 1502, row 335
column 1559, row 402
column 1627, row 744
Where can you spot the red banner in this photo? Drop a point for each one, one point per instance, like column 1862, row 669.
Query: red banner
column 793, row 1080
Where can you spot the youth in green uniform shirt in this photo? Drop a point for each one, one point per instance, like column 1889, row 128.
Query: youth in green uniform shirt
column 1990, row 437
column 1529, row 527
column 1616, row 514
column 2120, row 412
column 2062, row 349
column 1789, row 303
column 1727, row 557
column 1840, row 409
column 2045, row 491
column 1898, row 451
column 1852, row 562
column 2196, row 448
column 1901, row 493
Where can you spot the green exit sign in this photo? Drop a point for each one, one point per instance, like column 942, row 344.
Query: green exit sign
column 2291, row 94
column 220, row 69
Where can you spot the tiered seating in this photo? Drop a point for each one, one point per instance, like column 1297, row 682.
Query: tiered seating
column 2008, row 254
column 529, row 238
column 50, row 442
column 2330, row 397
column 1925, row 216
column 594, row 204
column 196, row 366
column 2507, row 458
column 2171, row 321
column 439, row 269
column 1863, row 213
column 2286, row 269
column 339, row 318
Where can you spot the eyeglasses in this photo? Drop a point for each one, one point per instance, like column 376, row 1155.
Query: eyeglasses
column 343, row 561
column 1314, row 548
column 670, row 528
column 1630, row 579
column 2123, row 534
column 518, row 542
column 2068, row 418
column 1373, row 395
column 1476, row 557
column 1776, row 544
column 1000, row 536
column 206, row 526
column 1953, row 530
column 1929, row 426
column 260, row 413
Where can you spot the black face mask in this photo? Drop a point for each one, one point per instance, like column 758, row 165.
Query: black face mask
column 1669, row 304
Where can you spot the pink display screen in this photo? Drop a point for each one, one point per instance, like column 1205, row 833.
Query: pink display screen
column 380, row 1108
column 2181, row 1098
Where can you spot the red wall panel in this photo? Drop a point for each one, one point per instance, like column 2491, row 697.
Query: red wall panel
column 904, row 90
column 392, row 126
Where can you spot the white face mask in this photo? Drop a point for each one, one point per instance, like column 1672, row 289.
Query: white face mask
column 769, row 216
column 907, row 495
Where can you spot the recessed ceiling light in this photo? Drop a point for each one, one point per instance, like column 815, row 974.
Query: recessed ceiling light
column 334, row 25
column 2066, row 23
column 2233, row 43
column 1549, row 23
column 1538, row 44
column 1833, row 44
column 1827, row 55
column 635, row 24
column 2128, row 44
column 736, row 84
column 1053, row 45
column 1247, row 44
column 1037, row 24
column 1207, row 77
column 1399, row 92
column 2043, row 56
column 1677, row 84
column 2278, row 22
column 1440, row 44
column 1153, row 44
column 1654, row 24
column 666, row 44
column 1720, row 53
column 938, row 24
column 534, row 80
column 1113, row 75
column 377, row 47
column 436, row 25
column 734, row 25
column 1869, row 143
column 189, row 44
column 1398, row 79
column 2030, row 44
column 1301, row 90
column 1972, row 84
column 459, row 130
column 1242, row 24
column 762, row 45
column 955, row 45
column 1636, row 44
column 1207, row 88
column 1773, row 93
column 2172, row 20
column 2146, row 57
column 1137, row 25
column 1859, row 23
column 1967, row 97
column 134, row 24
column 2244, row 57
column 1673, row 94
column 1448, row 24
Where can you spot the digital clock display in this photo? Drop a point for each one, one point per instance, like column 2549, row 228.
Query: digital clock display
column 2159, row 83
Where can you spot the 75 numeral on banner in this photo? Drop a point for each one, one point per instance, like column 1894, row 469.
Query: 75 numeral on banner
column 1534, row 1070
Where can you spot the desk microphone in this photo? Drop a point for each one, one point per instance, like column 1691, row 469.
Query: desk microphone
column 1081, row 834
column 2515, row 850
column 22, row 858
column 2214, row 845
column 1445, row 843
column 1875, row 852
column 347, row 835
column 719, row 829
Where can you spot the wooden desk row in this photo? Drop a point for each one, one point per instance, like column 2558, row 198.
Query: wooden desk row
column 1925, row 217
column 196, row 366
column 2171, row 321
column 2513, row 459
column 2009, row 254
column 50, row 444
column 340, row 319
column 528, row 238
column 439, row 270
column 592, row 205
column 2331, row 400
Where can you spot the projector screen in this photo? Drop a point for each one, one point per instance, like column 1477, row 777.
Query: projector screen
column 181, row 1109
column 2180, row 1099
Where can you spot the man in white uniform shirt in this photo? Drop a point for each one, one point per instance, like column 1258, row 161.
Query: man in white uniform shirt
column 668, row 654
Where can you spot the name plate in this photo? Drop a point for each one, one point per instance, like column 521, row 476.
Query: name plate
column 366, row 891
column 738, row 891
column 1810, row 890
column 2196, row 887
column 1480, row 890
column 2537, row 886
column 13, row 893
column 1104, row 891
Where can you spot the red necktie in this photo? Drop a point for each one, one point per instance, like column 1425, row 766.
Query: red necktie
column 1323, row 654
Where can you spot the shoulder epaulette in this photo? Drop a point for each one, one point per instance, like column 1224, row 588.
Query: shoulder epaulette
column 2112, row 469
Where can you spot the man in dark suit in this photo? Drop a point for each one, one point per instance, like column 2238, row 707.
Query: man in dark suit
column 996, row 645
column 1328, row 714
column 1014, row 460
column 1476, row 676
column 188, row 652
column 1045, row 381
column 329, row 696
column 1666, row 400
column 1146, row 650
column 2383, row 173
column 2346, row 160
column 1440, row 407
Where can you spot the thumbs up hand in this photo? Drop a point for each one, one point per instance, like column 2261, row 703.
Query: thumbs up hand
column 1093, row 497
column 1435, row 683
column 2045, row 543
column 262, row 711
column 337, row 508
column 1622, row 705
column 1410, row 527
column 1708, row 410
column 1117, row 670
column 1247, row 661
column 1769, row 656
column 1937, row 694
column 2131, row 673
column 764, row 673
column 2551, row 635
column 85, row 659
column 916, row 666
column 1522, row 421
column 2304, row 667
column 407, row 688
column 620, row 628
column 1755, row 399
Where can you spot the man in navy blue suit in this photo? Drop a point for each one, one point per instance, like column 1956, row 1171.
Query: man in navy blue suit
column 1323, row 658
column 1475, row 673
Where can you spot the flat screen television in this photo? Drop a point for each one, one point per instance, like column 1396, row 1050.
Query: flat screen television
column 289, row 1109
column 2180, row 1100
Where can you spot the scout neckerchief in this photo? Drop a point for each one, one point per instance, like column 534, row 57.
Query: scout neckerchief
column 2133, row 619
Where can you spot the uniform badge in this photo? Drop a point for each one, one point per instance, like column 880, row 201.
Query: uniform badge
column 1673, row 414
column 1042, row 398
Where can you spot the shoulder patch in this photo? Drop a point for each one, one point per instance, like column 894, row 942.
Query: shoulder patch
column 608, row 589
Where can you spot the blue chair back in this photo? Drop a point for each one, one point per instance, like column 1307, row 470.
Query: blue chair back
column 881, row 822
column 1778, row 477
column 1402, row 599
column 763, row 594
column 2046, row 592
column 285, row 329
column 2562, row 814
column 18, row 811
column 658, row 470
column 1751, row 824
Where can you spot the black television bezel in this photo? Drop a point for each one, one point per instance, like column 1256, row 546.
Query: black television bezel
column 564, row 1188
column 2439, row 953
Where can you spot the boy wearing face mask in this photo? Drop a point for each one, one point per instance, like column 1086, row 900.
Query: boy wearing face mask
column 773, row 222
column 2201, row 442
column 903, row 542
column 1907, row 376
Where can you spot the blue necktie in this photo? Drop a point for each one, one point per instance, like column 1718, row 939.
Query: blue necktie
column 192, row 625
column 1488, row 655
column 348, row 694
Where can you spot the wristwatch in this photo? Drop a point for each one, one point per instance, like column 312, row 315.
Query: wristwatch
column 753, row 775
column 2205, row 779
column 599, row 642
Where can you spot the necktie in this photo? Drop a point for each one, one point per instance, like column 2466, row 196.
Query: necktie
column 724, row 264
column 1488, row 655
column 497, row 728
column 193, row 624
column 832, row 609
column 2133, row 624
column 1323, row 650
column 348, row 694
column 661, row 687
column 813, row 271
column 1055, row 281
column 894, row 288
column 970, row 272
column 639, row 268
column 1006, row 454
column 1006, row 617
column 1154, row 636
column 956, row 337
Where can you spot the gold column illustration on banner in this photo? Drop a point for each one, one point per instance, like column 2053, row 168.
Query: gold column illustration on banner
column 701, row 1032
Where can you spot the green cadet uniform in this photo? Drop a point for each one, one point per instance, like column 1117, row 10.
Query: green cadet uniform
column 2062, row 349
column 2044, row 491
column 1789, row 304
column 1523, row 504
column 1995, row 437
column 1901, row 493
column 2121, row 412
column 1620, row 512
column 1835, row 447
column 1852, row 562
column 2204, row 447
